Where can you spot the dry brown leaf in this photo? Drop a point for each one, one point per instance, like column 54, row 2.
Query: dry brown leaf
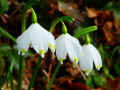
column 114, row 84
column 107, row 24
column 68, row 85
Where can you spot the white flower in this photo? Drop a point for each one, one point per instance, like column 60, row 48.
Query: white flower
column 65, row 43
column 38, row 38
column 90, row 55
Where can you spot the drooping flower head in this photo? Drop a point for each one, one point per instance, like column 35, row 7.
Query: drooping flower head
column 90, row 55
column 66, row 44
column 38, row 38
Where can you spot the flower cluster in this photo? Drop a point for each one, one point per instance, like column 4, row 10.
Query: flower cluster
column 40, row 39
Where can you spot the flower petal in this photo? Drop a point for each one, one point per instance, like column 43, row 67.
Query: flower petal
column 86, row 62
column 38, row 39
column 61, row 51
column 97, row 60
column 23, row 41
column 73, row 48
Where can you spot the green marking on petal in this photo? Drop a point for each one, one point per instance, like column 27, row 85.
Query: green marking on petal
column 41, row 52
column 23, row 50
column 76, row 59
column 74, row 64
column 86, row 71
column 98, row 66
column 49, row 45
column 53, row 47
column 52, row 56
column 61, row 60
column 81, row 54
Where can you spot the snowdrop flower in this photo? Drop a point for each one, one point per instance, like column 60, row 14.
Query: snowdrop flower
column 37, row 37
column 90, row 55
column 65, row 43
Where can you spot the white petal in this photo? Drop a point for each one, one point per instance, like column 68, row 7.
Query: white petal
column 61, row 51
column 73, row 47
column 39, row 39
column 86, row 62
column 97, row 60
column 23, row 41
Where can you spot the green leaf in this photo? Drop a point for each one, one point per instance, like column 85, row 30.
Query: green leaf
column 3, row 6
column 8, row 74
column 7, row 34
column 2, row 65
column 4, row 47
column 98, row 80
column 85, row 31
column 11, row 79
column 89, row 82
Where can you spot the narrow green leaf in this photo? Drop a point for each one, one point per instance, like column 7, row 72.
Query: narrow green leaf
column 4, row 47
column 11, row 79
column 8, row 74
column 59, row 19
column 7, row 34
column 3, row 6
column 85, row 31
column 111, row 57
column 2, row 65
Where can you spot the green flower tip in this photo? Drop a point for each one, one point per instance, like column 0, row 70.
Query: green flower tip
column 74, row 65
column 23, row 50
column 33, row 16
column 98, row 67
column 64, row 28
column 49, row 45
column 53, row 56
column 61, row 60
column 86, row 71
column 87, row 40
column 41, row 52
column 76, row 59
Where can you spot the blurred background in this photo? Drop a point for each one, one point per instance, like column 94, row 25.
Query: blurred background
column 104, row 14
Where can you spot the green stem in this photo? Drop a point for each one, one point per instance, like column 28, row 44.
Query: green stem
column 54, row 75
column 59, row 19
column 19, row 87
column 11, row 79
column 7, row 34
column 35, row 73
column 28, row 5
column 11, row 69
column 111, row 57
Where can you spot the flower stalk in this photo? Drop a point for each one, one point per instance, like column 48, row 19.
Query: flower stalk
column 54, row 75
column 20, row 76
column 35, row 73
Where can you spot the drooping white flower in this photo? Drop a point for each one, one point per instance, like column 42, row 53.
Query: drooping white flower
column 90, row 55
column 65, row 43
column 38, row 38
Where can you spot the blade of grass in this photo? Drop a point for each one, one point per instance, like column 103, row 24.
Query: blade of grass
column 11, row 79
column 7, row 34
column 54, row 75
column 35, row 73
column 111, row 57
column 85, row 31
column 11, row 69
